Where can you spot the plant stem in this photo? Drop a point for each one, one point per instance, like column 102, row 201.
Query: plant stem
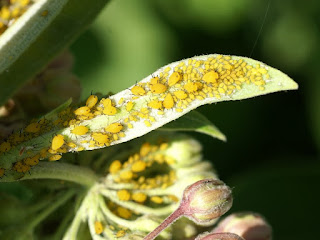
column 168, row 221
column 62, row 171
column 63, row 226
column 61, row 199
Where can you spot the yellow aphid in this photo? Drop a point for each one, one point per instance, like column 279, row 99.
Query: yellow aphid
column 123, row 195
column 138, row 90
column 156, row 199
column 44, row 13
column 71, row 145
column 139, row 197
column 199, row 85
column 57, row 142
column 5, row 13
column 4, row 147
column 21, row 167
column 16, row 138
column 211, row 77
column 100, row 138
column 155, row 104
column 180, row 94
column 82, row 111
column 163, row 146
column 168, row 102
column 98, row 227
column 91, row 101
column 144, row 110
column 106, row 102
column 145, row 149
column 120, row 233
column 126, row 175
column 23, row 2
column 129, row 106
column 110, row 111
column 152, row 119
column 121, row 101
column 124, row 213
column 191, row 87
column 115, row 166
column 158, row 88
column 147, row 123
column 1, row 172
column 174, row 78
column 115, row 137
column 80, row 130
column 33, row 128
column 55, row 157
column 62, row 150
column 43, row 153
column 154, row 80
column 114, row 128
column 32, row 161
column 138, row 166
column 173, row 198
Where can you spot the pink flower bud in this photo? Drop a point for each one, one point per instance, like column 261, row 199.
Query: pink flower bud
column 202, row 202
column 250, row 226
column 206, row 200
column 219, row 236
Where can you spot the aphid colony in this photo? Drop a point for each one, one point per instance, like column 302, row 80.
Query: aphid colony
column 138, row 172
column 11, row 10
column 171, row 92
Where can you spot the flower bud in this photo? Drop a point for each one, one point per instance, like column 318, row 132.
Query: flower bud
column 250, row 226
column 219, row 236
column 206, row 200
column 201, row 202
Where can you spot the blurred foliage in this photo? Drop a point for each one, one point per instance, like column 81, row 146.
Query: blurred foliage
column 131, row 39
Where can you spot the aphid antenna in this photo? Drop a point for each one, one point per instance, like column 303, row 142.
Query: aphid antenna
column 36, row 146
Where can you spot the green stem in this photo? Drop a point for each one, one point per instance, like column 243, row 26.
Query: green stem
column 60, row 200
column 34, row 208
column 64, row 224
column 62, row 171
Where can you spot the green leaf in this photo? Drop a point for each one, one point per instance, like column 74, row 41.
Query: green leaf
column 194, row 121
column 164, row 96
column 40, row 34
column 280, row 186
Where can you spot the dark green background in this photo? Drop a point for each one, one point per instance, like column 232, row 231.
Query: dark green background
column 271, row 157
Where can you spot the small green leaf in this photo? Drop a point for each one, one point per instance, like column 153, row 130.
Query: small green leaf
column 41, row 33
column 194, row 121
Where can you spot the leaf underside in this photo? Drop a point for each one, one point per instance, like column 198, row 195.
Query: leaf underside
column 164, row 96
